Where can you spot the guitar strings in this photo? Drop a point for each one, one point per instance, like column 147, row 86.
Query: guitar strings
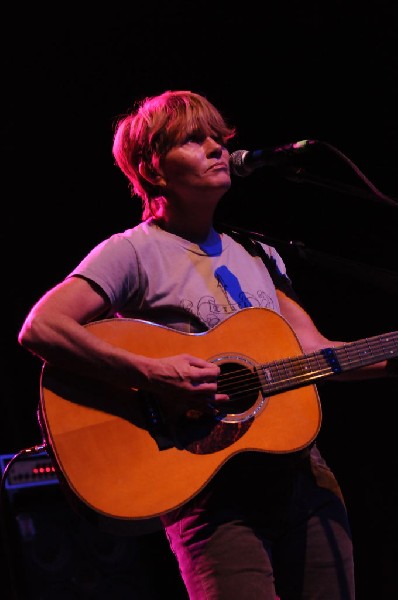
column 292, row 371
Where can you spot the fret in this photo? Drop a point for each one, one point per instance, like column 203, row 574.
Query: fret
column 293, row 372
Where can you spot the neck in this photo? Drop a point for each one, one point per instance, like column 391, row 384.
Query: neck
column 190, row 217
column 193, row 221
column 192, row 231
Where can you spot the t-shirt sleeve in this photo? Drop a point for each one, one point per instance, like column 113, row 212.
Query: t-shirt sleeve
column 113, row 266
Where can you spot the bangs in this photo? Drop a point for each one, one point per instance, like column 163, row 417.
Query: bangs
column 189, row 121
column 185, row 115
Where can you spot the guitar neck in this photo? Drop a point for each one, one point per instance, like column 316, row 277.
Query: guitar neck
column 306, row 369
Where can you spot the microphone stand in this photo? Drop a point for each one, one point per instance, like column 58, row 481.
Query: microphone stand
column 388, row 280
column 383, row 278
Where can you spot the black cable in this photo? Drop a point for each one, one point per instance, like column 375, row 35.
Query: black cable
column 300, row 175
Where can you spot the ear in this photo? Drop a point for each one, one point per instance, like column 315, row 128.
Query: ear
column 150, row 174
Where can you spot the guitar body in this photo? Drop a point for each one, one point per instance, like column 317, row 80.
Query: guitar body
column 131, row 457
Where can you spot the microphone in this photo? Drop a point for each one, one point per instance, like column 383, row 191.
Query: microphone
column 244, row 162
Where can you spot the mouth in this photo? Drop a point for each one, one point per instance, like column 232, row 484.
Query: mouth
column 219, row 166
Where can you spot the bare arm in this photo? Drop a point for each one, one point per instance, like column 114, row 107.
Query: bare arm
column 312, row 340
column 54, row 331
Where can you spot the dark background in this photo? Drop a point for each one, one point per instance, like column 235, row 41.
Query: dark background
column 281, row 73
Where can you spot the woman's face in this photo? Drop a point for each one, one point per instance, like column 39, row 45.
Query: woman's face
column 196, row 164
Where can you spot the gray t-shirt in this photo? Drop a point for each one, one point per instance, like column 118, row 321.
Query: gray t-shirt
column 149, row 273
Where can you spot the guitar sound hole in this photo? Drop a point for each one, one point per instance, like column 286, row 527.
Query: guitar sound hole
column 241, row 384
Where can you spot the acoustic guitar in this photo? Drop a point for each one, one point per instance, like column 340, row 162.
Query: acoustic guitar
column 130, row 456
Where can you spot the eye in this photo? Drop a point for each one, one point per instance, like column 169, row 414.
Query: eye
column 219, row 139
column 195, row 137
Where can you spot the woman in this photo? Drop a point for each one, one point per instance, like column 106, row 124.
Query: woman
column 264, row 523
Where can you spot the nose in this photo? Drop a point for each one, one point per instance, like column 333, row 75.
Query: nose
column 213, row 148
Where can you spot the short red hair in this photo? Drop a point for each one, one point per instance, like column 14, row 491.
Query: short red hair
column 156, row 125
